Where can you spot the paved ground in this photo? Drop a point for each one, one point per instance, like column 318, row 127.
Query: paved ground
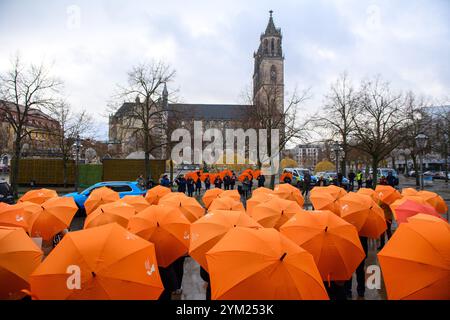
column 194, row 286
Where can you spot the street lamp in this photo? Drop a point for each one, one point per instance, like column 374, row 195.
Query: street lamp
column 421, row 143
column 336, row 149
column 77, row 145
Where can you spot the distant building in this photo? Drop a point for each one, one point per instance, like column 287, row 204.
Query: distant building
column 306, row 155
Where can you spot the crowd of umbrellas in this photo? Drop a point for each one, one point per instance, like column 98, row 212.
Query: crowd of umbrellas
column 272, row 249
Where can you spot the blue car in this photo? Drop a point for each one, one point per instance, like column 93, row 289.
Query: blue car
column 124, row 188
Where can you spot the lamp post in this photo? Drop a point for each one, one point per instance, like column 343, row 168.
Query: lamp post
column 446, row 142
column 77, row 145
column 421, row 142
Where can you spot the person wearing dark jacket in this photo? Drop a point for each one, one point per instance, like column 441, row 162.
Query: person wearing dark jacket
column 178, row 267
column 207, row 183
column 306, row 184
column 351, row 179
column 205, row 277
column 391, row 179
column 181, row 183
column 360, row 273
column 190, row 186
column 198, row 186
column 165, row 182
column 218, row 182
column 233, row 181
column 369, row 182
column 226, row 182
column 261, row 180
column 169, row 281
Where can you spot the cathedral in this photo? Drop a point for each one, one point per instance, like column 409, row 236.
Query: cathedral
column 268, row 73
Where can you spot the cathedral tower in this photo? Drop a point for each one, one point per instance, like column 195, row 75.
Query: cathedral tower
column 269, row 66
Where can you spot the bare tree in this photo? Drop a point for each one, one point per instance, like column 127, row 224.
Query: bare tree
column 72, row 124
column 23, row 90
column 379, row 121
column 440, row 134
column 146, row 121
column 337, row 117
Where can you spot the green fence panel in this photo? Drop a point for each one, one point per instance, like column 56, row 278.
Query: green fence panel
column 90, row 174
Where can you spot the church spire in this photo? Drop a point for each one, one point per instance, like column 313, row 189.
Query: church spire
column 270, row 29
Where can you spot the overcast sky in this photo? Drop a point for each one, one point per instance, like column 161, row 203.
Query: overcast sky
column 92, row 44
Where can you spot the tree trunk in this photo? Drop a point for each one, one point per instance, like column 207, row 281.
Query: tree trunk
column 65, row 171
column 15, row 168
column 147, row 170
column 375, row 162
column 171, row 169
column 416, row 169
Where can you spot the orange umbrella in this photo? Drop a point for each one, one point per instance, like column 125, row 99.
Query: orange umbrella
column 286, row 175
column 256, row 173
column 262, row 190
column 38, row 196
column 208, row 230
column 19, row 256
column 167, row 228
column 415, row 261
column 224, row 173
column 138, row 202
column 434, row 200
column 154, row 194
column 193, row 175
column 244, row 175
column 98, row 197
column 409, row 192
column 55, row 216
column 288, row 192
column 333, row 242
column 106, row 262
column 335, row 191
column 369, row 192
column 361, row 211
column 118, row 212
column 262, row 264
column 226, row 203
column 408, row 207
column 249, row 171
column 234, row 194
column 210, row 195
column 203, row 176
column 257, row 199
column 275, row 212
column 387, row 194
column 188, row 206
column 322, row 199
column 14, row 216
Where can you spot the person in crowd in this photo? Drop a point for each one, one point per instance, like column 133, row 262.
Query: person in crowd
column 205, row 277
column 306, row 184
column 359, row 179
column 59, row 236
column 383, row 181
column 169, row 281
column 322, row 182
column 335, row 290
column 226, row 182
column 207, row 183
column 233, row 180
column 218, row 182
column 388, row 217
column 369, row 181
column 141, row 181
column 198, row 186
column 165, row 182
column 245, row 187
column 178, row 267
column 250, row 185
column 261, row 180
column 150, row 183
column 181, row 183
column 360, row 274
column 391, row 179
column 190, row 186
column 340, row 179
column 351, row 179
column 287, row 179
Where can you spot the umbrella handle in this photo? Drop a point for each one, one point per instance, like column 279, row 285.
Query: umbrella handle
column 28, row 293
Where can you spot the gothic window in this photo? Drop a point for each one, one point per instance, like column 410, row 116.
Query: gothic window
column 266, row 46
column 279, row 46
column 272, row 45
column 273, row 73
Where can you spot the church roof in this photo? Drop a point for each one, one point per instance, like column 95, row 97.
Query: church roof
column 209, row 111
column 124, row 109
column 271, row 30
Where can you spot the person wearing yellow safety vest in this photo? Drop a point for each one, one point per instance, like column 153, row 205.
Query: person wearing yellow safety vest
column 359, row 179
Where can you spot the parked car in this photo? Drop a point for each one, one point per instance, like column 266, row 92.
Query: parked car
column 124, row 188
column 299, row 173
column 6, row 194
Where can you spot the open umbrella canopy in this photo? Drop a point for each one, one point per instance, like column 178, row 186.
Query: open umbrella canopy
column 19, row 257
column 55, row 216
column 98, row 197
column 226, row 203
column 118, row 212
column 256, row 173
column 407, row 207
column 287, row 192
column 191, row 209
column 249, row 171
column 244, row 175
column 15, row 216
column 262, row 190
column 101, row 263
column 434, row 200
column 416, row 261
column 361, row 211
column 262, row 264
column 205, row 175
column 257, row 199
column 387, row 194
column 234, row 194
column 208, row 230
column 156, row 193
column 167, row 228
column 38, row 196
column 322, row 199
column 409, row 192
column 210, row 195
column 369, row 192
column 138, row 202
column 193, row 175
column 333, row 242
column 275, row 212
